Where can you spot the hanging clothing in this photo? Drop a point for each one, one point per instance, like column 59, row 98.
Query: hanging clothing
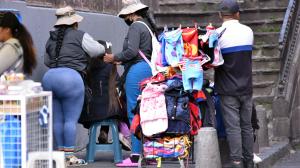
column 167, row 147
column 173, row 49
column 190, row 39
column 192, row 74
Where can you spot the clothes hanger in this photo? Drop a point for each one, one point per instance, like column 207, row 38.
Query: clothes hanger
column 165, row 28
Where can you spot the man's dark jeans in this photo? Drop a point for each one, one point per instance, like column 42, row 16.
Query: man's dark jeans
column 237, row 112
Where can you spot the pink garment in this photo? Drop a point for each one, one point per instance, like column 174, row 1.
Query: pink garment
column 153, row 111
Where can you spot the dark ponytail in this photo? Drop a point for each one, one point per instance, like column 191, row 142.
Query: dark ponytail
column 144, row 13
column 18, row 30
column 60, row 38
column 113, row 105
column 29, row 53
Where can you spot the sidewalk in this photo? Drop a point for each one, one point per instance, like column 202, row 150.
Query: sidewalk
column 291, row 160
column 105, row 160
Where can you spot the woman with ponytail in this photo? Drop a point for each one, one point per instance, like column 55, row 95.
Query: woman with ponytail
column 136, row 16
column 67, row 55
column 17, row 51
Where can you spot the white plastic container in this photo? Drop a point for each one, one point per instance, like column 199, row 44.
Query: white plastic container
column 14, row 90
column 3, row 89
column 36, row 87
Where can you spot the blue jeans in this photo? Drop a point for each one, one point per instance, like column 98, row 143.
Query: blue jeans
column 137, row 73
column 68, row 95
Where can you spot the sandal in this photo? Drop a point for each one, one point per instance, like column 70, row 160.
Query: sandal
column 74, row 161
column 132, row 161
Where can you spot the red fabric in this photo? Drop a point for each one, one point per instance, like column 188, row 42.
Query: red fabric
column 195, row 118
column 135, row 125
column 199, row 96
column 160, row 77
column 190, row 40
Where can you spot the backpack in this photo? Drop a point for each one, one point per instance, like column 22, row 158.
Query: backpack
column 156, row 51
column 153, row 111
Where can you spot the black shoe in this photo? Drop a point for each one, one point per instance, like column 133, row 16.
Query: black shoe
column 126, row 145
column 249, row 164
column 103, row 138
column 234, row 165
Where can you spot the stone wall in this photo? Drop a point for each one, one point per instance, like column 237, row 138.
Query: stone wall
column 294, row 108
column 286, row 105
column 100, row 6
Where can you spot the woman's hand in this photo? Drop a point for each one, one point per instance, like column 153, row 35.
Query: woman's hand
column 117, row 63
column 108, row 58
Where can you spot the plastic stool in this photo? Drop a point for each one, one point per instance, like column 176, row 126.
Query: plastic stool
column 115, row 147
column 58, row 157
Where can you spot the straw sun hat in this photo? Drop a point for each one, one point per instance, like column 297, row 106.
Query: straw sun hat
column 67, row 16
column 131, row 6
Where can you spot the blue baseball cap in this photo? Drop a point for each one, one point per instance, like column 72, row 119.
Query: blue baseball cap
column 229, row 7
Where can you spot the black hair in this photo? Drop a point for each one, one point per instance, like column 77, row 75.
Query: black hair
column 19, row 31
column 144, row 13
column 60, row 37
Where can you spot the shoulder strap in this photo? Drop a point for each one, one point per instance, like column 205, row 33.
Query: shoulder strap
column 152, row 34
column 18, row 62
column 145, row 58
column 140, row 52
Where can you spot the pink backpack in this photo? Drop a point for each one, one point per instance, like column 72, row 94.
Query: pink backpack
column 153, row 111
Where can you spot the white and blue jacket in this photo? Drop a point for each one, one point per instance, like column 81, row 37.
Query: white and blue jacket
column 234, row 77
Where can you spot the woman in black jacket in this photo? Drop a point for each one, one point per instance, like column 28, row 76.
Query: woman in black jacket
column 67, row 52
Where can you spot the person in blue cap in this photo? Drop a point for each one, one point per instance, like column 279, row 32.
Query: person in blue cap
column 233, row 81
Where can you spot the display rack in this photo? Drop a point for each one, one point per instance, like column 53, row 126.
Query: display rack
column 25, row 126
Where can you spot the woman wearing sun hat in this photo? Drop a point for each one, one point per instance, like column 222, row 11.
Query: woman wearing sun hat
column 67, row 52
column 136, row 69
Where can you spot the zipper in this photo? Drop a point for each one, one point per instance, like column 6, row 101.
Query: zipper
column 100, row 82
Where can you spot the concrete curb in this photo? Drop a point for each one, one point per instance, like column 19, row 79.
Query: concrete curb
column 272, row 154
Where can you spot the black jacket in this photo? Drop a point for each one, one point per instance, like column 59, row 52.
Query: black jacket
column 98, row 107
column 71, row 54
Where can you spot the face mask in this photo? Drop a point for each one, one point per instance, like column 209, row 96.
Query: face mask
column 128, row 22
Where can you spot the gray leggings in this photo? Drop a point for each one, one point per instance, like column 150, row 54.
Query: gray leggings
column 237, row 112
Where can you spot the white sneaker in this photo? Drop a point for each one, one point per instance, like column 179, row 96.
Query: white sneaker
column 125, row 142
column 74, row 161
column 256, row 159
